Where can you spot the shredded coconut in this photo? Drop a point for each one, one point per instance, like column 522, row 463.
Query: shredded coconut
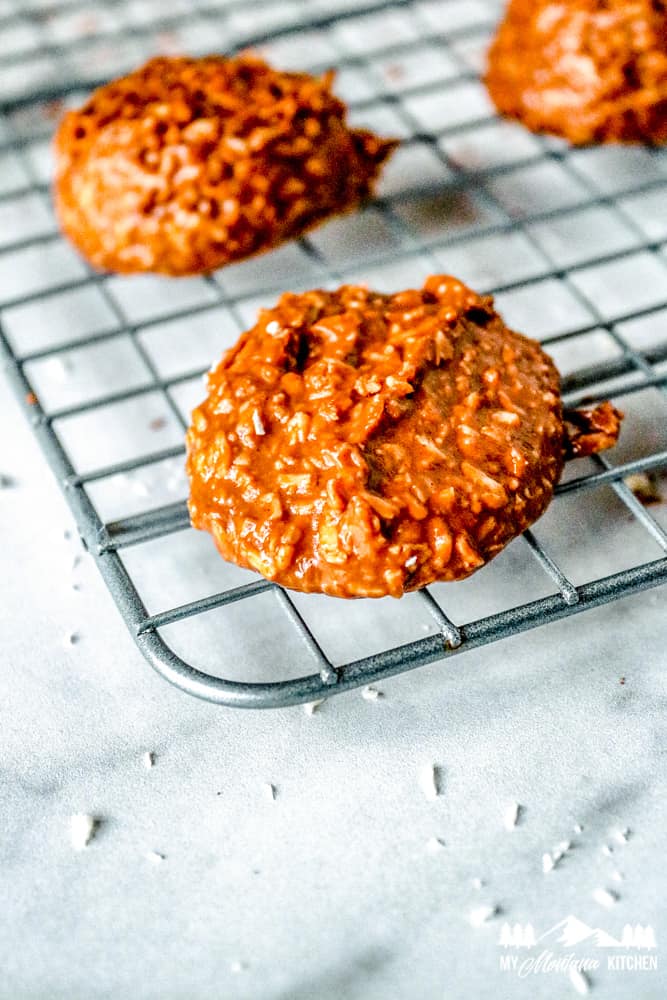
column 481, row 914
column 605, row 897
column 579, row 981
column 270, row 791
column 258, row 423
column 311, row 707
column 370, row 693
column 578, row 828
column 148, row 759
column 428, row 779
column 548, row 863
column 155, row 857
column 511, row 817
column 82, row 830
column 434, row 845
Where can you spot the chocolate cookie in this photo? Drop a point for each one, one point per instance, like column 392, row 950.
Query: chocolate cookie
column 588, row 70
column 188, row 164
column 362, row 444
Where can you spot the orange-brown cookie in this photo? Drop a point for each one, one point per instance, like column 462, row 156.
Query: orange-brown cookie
column 362, row 444
column 588, row 70
column 188, row 164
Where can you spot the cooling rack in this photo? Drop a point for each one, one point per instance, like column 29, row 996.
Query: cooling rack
column 572, row 243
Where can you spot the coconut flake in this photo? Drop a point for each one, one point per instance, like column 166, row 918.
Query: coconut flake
column 428, row 779
column 605, row 897
column 258, row 424
column 148, row 759
column 82, row 828
column 270, row 791
column 480, row 914
column 237, row 967
column 478, row 883
column 548, row 863
column 622, row 836
column 579, row 981
column 155, row 857
column 434, row 845
column 608, row 850
column 511, row 815
column 310, row 707
column 617, row 876
column 578, row 828
column 370, row 693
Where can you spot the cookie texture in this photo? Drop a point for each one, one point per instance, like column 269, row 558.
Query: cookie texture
column 188, row 164
column 589, row 70
column 365, row 445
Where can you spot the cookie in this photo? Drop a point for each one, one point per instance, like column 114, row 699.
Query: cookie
column 589, row 70
column 364, row 445
column 188, row 164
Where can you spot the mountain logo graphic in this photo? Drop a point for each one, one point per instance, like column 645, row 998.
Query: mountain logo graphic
column 571, row 932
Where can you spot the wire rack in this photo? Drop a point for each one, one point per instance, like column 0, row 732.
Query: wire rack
column 572, row 243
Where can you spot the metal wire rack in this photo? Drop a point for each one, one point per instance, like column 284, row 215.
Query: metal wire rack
column 576, row 240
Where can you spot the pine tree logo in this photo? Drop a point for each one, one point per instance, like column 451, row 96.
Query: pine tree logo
column 638, row 937
column 518, row 936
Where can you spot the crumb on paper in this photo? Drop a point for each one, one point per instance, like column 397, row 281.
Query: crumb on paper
column 428, row 780
column 478, row 883
column 617, row 876
column 579, row 981
column 82, row 827
column 148, row 759
column 155, row 857
column 7, row 482
column 511, row 815
column 480, row 914
column 548, row 863
column 622, row 836
column 370, row 693
column 608, row 850
column 237, row 967
column 562, row 849
column 435, row 844
column 70, row 639
column 310, row 707
column 270, row 791
column 605, row 897
column 578, row 828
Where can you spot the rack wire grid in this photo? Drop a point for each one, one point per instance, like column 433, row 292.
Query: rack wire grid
column 573, row 244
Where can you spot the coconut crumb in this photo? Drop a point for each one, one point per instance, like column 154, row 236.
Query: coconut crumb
column 622, row 836
column 579, row 981
column 548, row 863
column 82, row 827
column 605, row 897
column 480, row 914
column 645, row 487
column 578, row 828
column 370, row 693
column 148, row 759
column 258, row 423
column 562, row 849
column 608, row 850
column 434, row 845
column 428, row 779
column 511, row 815
column 270, row 791
column 237, row 967
column 478, row 883
column 310, row 707
column 617, row 876
column 155, row 857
